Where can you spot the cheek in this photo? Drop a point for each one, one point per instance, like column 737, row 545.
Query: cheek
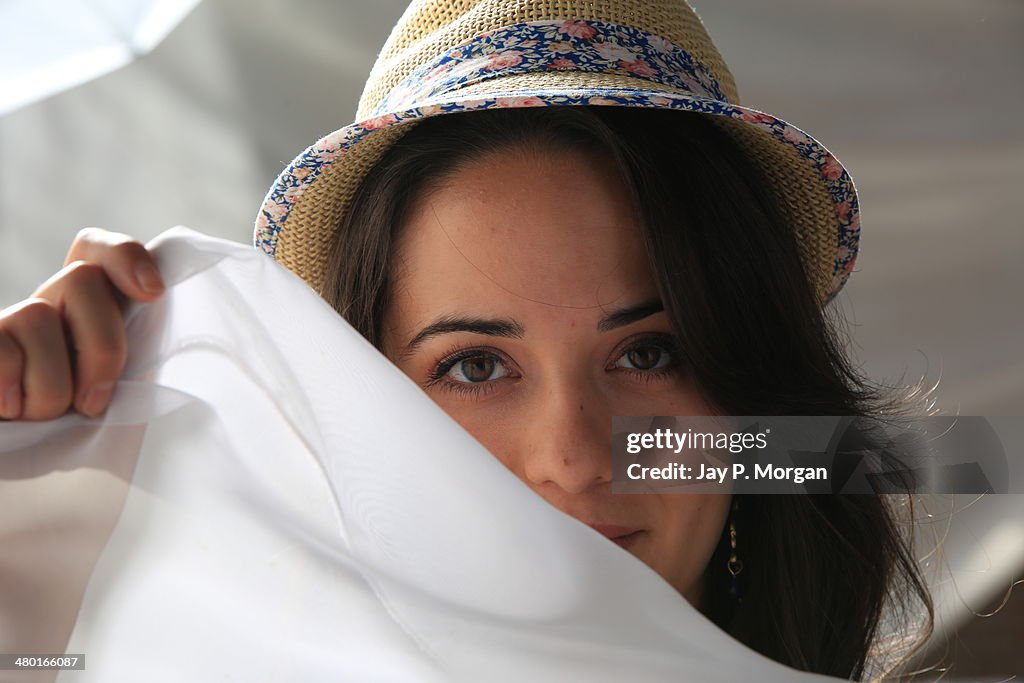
column 681, row 396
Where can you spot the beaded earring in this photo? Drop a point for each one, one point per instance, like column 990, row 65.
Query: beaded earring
column 734, row 564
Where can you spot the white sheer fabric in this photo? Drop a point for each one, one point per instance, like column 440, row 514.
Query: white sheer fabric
column 295, row 508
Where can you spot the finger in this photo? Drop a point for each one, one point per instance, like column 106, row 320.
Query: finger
column 35, row 326
column 128, row 264
column 97, row 331
column 87, row 302
column 12, row 364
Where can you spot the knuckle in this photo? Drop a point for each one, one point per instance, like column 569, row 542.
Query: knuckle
column 94, row 243
column 85, row 235
column 88, row 235
column 33, row 315
column 85, row 272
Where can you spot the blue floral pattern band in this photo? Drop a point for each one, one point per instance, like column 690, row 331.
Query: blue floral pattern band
column 592, row 47
column 572, row 45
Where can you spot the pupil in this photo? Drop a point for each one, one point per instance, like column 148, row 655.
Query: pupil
column 644, row 357
column 477, row 369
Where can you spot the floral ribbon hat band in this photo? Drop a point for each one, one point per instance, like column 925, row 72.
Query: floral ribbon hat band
column 641, row 53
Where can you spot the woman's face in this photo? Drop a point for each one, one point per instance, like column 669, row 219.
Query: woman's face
column 525, row 306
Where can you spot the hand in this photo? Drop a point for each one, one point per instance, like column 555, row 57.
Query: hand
column 65, row 345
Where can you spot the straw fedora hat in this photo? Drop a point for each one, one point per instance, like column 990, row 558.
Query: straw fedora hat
column 448, row 56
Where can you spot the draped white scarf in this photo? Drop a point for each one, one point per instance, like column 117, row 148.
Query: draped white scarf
column 295, row 508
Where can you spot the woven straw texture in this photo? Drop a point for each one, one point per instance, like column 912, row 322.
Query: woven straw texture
column 304, row 247
column 429, row 28
column 801, row 197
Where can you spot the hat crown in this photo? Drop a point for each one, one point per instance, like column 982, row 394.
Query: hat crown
column 428, row 28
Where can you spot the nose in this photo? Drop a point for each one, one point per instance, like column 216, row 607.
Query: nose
column 568, row 442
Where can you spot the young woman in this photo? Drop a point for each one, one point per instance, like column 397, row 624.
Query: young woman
column 540, row 269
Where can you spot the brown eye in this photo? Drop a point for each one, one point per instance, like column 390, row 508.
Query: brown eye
column 644, row 357
column 478, row 368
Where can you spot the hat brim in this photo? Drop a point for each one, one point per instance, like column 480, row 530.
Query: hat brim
column 300, row 213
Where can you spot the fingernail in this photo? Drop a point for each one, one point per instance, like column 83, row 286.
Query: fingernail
column 12, row 402
column 148, row 277
column 96, row 398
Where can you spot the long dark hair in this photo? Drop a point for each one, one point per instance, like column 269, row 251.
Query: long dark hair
column 819, row 570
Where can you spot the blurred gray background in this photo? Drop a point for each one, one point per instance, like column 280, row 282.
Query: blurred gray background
column 921, row 100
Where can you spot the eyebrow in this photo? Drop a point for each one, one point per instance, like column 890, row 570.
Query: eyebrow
column 513, row 329
column 457, row 323
column 627, row 316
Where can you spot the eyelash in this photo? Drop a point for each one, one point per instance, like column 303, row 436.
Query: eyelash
column 456, row 354
column 447, row 361
column 664, row 342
